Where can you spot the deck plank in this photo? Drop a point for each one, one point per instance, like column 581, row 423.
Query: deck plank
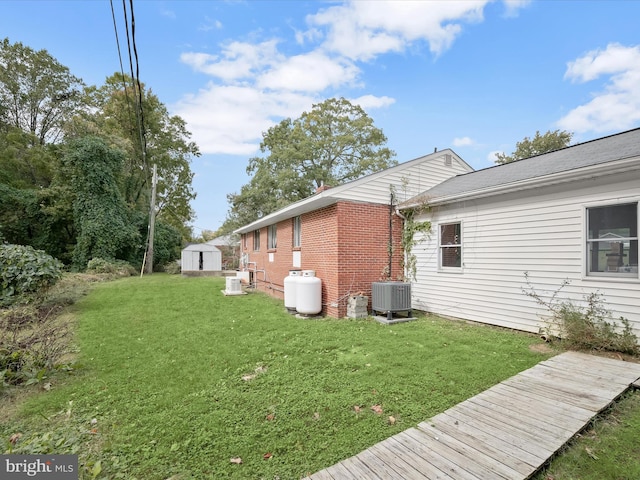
column 507, row 432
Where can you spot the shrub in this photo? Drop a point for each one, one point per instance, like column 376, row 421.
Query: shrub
column 173, row 268
column 32, row 342
column 113, row 267
column 585, row 326
column 25, row 270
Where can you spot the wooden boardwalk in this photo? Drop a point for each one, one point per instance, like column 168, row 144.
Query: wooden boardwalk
column 506, row 432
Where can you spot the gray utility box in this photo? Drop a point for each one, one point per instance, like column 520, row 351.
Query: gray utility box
column 391, row 297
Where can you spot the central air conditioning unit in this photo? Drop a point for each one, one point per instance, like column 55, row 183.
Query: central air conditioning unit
column 234, row 287
column 391, row 297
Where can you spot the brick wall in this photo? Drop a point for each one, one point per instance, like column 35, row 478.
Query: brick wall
column 346, row 244
column 364, row 248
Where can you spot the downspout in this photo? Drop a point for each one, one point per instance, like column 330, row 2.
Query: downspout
column 404, row 253
column 390, row 234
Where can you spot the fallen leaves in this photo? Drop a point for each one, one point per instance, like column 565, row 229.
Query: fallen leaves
column 356, row 408
column 267, row 456
column 392, row 420
column 590, row 453
column 236, row 460
column 13, row 439
column 377, row 409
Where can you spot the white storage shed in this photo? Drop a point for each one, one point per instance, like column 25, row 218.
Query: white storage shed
column 200, row 258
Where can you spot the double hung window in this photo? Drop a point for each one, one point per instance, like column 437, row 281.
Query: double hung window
column 612, row 240
column 450, row 247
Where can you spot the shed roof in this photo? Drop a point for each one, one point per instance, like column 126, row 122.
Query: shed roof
column 225, row 240
column 613, row 148
column 201, row 247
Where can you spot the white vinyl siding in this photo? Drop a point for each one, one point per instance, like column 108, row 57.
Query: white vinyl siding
column 542, row 232
column 408, row 179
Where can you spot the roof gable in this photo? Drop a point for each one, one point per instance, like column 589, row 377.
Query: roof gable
column 368, row 188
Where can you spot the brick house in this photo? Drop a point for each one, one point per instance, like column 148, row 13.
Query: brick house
column 342, row 233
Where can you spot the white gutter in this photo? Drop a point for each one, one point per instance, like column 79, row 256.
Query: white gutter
column 621, row 166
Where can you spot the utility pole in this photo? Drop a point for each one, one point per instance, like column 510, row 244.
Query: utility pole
column 152, row 221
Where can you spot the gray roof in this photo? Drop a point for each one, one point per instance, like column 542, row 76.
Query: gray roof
column 225, row 240
column 603, row 150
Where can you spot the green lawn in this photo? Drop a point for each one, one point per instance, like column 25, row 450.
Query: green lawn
column 181, row 379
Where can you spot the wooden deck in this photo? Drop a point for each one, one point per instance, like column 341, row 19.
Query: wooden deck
column 506, row 432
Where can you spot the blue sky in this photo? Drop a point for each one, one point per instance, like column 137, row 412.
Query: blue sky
column 474, row 76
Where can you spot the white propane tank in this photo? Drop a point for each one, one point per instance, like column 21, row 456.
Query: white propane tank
column 308, row 293
column 290, row 282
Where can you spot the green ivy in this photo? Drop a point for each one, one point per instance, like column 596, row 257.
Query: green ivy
column 100, row 212
column 409, row 241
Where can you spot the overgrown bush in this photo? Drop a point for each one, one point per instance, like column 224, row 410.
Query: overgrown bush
column 587, row 325
column 173, row 268
column 33, row 340
column 25, row 270
column 112, row 267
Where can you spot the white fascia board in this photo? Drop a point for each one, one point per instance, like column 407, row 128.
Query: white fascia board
column 339, row 193
column 319, row 200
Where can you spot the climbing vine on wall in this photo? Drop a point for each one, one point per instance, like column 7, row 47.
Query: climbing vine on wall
column 411, row 231
column 410, row 236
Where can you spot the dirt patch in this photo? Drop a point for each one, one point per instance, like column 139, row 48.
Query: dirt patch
column 542, row 348
column 546, row 349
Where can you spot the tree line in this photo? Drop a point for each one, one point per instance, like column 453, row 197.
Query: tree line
column 76, row 161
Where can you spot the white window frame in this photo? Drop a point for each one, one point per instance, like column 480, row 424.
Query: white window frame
column 441, row 248
column 272, row 237
column 297, row 232
column 587, row 274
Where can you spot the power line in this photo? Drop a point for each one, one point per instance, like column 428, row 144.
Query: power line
column 139, row 114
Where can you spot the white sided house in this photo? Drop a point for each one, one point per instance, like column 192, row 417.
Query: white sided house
column 201, row 259
column 571, row 214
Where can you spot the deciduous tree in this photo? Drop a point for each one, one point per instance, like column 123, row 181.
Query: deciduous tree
column 538, row 145
column 37, row 93
column 100, row 213
column 334, row 143
column 115, row 118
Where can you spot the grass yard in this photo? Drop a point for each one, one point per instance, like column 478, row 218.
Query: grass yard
column 609, row 449
column 175, row 380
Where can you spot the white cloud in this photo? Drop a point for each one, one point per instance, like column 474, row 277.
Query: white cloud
column 513, row 7
column 493, row 155
column 230, row 119
column 617, row 107
column 256, row 84
column 237, row 60
column 463, row 142
column 362, row 30
column 310, row 72
column 167, row 13
column 368, row 102
column 210, row 24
